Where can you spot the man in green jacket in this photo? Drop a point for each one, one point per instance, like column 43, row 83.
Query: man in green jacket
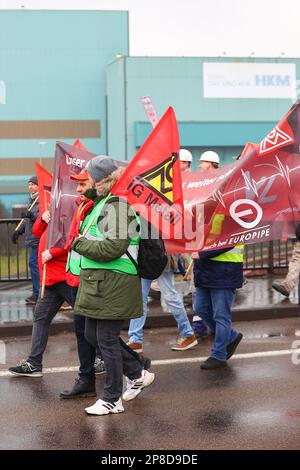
column 110, row 287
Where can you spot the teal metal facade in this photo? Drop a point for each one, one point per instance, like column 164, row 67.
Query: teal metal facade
column 52, row 67
column 224, row 125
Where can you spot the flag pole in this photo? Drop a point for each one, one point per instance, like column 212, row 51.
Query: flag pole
column 43, row 282
column 188, row 271
column 29, row 208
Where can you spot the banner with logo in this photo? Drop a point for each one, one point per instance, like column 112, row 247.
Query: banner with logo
column 256, row 198
column 68, row 160
column 152, row 180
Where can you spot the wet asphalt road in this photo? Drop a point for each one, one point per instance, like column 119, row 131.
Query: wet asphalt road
column 252, row 404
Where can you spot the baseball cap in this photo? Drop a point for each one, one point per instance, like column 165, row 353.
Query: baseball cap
column 82, row 176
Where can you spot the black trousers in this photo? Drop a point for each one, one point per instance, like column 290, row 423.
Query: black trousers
column 45, row 311
column 117, row 356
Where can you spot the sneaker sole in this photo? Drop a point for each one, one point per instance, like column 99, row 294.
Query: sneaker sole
column 104, row 413
column 100, row 373
column 34, row 374
column 194, row 343
column 82, row 395
column 132, row 397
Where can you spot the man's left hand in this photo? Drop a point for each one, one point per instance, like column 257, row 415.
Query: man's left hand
column 46, row 256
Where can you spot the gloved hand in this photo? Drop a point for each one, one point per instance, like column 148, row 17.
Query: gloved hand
column 15, row 237
column 26, row 214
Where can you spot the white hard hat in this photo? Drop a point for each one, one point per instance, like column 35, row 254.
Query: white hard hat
column 210, row 156
column 185, row 155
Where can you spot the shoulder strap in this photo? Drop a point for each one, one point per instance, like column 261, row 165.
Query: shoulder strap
column 114, row 199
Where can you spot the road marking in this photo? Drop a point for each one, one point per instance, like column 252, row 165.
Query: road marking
column 162, row 362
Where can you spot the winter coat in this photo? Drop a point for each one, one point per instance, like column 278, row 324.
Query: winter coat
column 55, row 267
column 209, row 273
column 29, row 220
column 102, row 293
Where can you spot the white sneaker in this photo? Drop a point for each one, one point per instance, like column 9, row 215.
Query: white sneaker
column 134, row 387
column 102, row 407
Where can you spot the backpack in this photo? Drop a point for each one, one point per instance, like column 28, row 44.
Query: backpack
column 152, row 257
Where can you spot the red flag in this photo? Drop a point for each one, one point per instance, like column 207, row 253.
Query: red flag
column 68, row 160
column 45, row 183
column 249, row 147
column 152, row 180
column 255, row 199
column 79, row 145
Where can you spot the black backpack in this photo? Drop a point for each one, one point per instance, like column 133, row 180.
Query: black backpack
column 152, row 256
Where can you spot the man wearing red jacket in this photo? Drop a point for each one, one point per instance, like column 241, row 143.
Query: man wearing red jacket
column 56, row 292
column 85, row 384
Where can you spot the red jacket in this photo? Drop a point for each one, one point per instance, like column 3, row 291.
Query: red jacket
column 55, row 267
column 84, row 206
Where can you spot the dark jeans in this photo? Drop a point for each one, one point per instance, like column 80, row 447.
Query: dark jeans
column 117, row 358
column 86, row 352
column 45, row 311
column 34, row 270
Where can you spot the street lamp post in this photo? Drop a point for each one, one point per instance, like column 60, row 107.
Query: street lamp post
column 41, row 145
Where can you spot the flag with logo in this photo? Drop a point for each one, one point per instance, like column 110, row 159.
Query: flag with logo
column 45, row 183
column 255, row 199
column 68, row 160
column 152, row 180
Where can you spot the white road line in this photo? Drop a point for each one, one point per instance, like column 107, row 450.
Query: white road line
column 162, row 362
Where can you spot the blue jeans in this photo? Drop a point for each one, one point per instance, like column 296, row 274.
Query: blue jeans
column 34, row 269
column 214, row 306
column 173, row 301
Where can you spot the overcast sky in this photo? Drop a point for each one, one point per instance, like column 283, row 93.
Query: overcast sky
column 259, row 28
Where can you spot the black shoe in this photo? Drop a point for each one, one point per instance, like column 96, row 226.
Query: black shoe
column 213, row 363
column 32, row 300
column 201, row 336
column 145, row 362
column 280, row 288
column 99, row 366
column 80, row 390
column 26, row 369
column 232, row 346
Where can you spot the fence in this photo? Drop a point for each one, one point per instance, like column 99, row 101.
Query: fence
column 14, row 258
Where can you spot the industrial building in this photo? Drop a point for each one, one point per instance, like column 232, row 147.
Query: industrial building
column 69, row 74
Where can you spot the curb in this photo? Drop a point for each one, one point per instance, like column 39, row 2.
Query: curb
column 156, row 319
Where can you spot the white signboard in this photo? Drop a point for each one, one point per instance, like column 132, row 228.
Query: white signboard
column 249, row 80
column 2, row 92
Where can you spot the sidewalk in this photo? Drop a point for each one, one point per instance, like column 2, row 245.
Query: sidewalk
column 255, row 301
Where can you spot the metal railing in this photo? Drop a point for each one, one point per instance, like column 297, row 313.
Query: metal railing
column 14, row 265
column 268, row 255
column 14, row 258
